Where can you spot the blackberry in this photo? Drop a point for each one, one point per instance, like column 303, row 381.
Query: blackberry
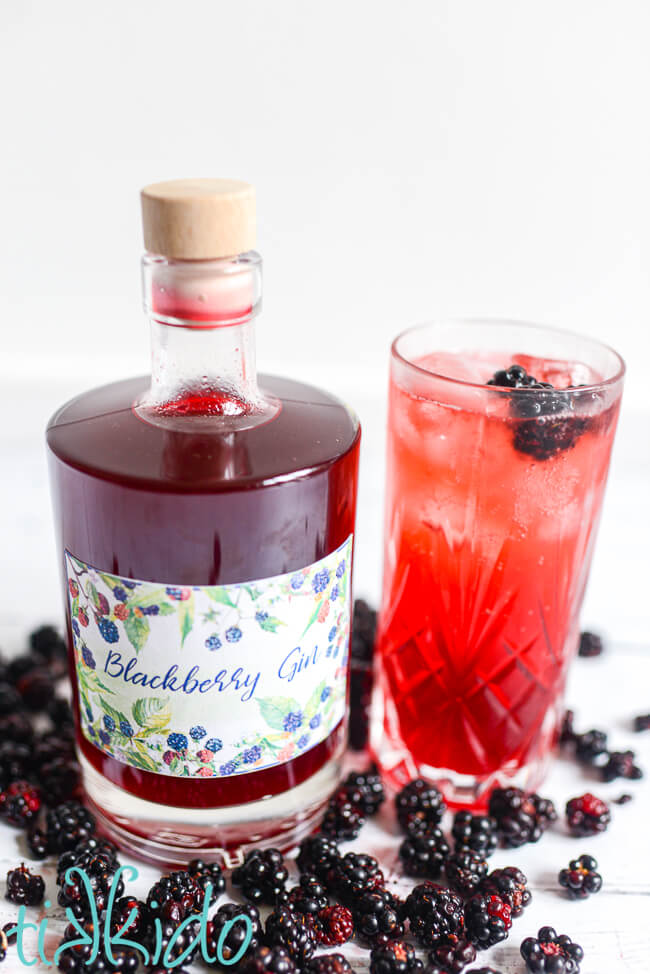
column 581, row 878
column 327, row 964
column 16, row 728
column 274, row 960
column 549, row 954
column 335, row 926
column 590, row 644
column 60, row 712
column 567, row 733
column 231, row 945
column 360, row 696
column 364, row 629
column 487, row 920
column 621, row 764
column 590, row 745
column 342, row 819
column 286, row 929
column 68, row 825
column 424, row 854
column 10, row 934
column 365, row 790
column 317, row 854
column 207, row 872
column 353, row 874
column 37, row 843
column 435, row 912
column 475, row 832
column 262, row 875
column 453, row 955
column 308, row 897
column 394, row 957
column 48, row 643
column 24, row 886
column 520, row 818
column 35, row 689
column 60, row 780
column 76, row 960
column 642, row 723
column 465, row 870
column 587, row 815
column 20, row 803
column 377, row 917
column 420, row 806
column 16, row 761
column 162, row 952
column 175, row 896
column 100, row 872
column 511, row 886
column 139, row 918
column 514, row 377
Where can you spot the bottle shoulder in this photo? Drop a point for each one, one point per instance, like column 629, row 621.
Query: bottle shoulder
column 99, row 433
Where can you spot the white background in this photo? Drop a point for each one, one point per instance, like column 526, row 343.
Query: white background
column 412, row 160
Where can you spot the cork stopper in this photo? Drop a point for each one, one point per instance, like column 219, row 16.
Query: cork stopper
column 198, row 219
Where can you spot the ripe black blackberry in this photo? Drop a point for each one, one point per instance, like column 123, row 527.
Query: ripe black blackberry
column 9, row 699
column 262, row 876
column 582, row 878
column 424, row 854
column 37, row 843
column 465, row 870
column 377, row 917
column 621, row 764
column 365, row 790
column 334, row 926
column 308, row 897
column 24, row 886
column 420, row 806
column 434, row 912
column 60, row 712
column 487, row 920
column 231, row 946
column 364, row 629
column 394, row 957
column 36, row 689
column 342, row 819
column 475, row 832
column 268, row 960
column 48, row 643
column 100, row 872
column 642, row 723
column 549, row 954
column 16, row 728
column 590, row 745
column 453, row 955
column 59, row 780
column 287, row 929
column 510, row 885
column 590, row 644
column 353, row 874
column 318, row 853
column 587, row 815
column 68, row 825
column 327, row 964
column 96, row 845
column 132, row 918
column 208, row 872
column 20, row 803
column 76, row 960
column 175, row 896
column 16, row 761
column 520, row 818
column 163, row 953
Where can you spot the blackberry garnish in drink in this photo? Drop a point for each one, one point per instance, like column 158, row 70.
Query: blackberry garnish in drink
column 434, row 912
column 424, row 854
column 68, row 825
column 475, row 832
column 327, row 964
column 20, row 803
column 520, row 817
column 262, row 875
column 353, row 874
column 237, row 935
column 394, row 957
column 587, row 815
column 342, row 819
column 175, row 896
column 317, row 854
column 365, row 790
column 511, row 886
column 334, row 926
column 487, row 920
column 621, row 764
column 581, row 879
column 453, row 955
column 420, row 806
column 549, row 954
column 377, row 917
column 24, row 886
column 465, row 870
column 590, row 644
column 287, row 929
column 268, row 960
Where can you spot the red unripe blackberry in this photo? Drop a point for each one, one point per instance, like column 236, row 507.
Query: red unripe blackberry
column 587, row 815
column 487, row 920
column 20, row 803
column 334, row 926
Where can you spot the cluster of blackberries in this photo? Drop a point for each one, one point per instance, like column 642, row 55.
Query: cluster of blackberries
column 592, row 749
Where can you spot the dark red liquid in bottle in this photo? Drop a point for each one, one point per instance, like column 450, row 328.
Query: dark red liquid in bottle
column 147, row 502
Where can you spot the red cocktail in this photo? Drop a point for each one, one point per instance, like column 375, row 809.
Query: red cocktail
column 493, row 498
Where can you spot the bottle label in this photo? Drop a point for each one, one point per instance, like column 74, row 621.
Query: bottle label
column 211, row 680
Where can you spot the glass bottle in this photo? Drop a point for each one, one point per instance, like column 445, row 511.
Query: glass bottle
column 204, row 524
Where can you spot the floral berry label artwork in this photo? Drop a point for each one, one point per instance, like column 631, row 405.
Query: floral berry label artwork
column 209, row 681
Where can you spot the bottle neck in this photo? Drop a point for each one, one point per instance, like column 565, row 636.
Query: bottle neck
column 203, row 337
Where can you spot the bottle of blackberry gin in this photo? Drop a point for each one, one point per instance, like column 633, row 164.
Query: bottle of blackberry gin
column 204, row 519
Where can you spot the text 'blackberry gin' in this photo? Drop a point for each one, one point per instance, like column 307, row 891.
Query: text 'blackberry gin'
column 205, row 524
